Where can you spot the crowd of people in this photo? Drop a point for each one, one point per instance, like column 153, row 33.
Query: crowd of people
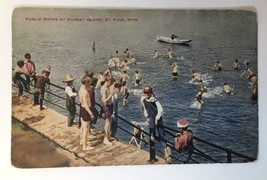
column 25, row 76
column 110, row 89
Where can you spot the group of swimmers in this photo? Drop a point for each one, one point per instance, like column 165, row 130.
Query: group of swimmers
column 227, row 89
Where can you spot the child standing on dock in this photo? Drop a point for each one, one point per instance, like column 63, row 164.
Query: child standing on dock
column 85, row 112
column 106, row 97
column 29, row 69
column 71, row 94
column 39, row 88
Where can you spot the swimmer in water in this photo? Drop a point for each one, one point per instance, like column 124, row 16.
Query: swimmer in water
column 196, row 77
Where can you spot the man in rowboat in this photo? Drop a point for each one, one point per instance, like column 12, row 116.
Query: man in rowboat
column 173, row 36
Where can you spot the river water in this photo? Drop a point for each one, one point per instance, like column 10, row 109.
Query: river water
column 62, row 38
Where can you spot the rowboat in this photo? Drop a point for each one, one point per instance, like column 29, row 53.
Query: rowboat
column 173, row 41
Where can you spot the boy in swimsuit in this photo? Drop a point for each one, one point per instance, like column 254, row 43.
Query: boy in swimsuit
column 174, row 70
column 125, row 95
column 137, row 76
column 218, row 66
column 169, row 54
column 199, row 97
column 124, row 77
column 227, row 89
column 236, row 64
column 106, row 97
column 196, row 77
column 85, row 112
column 155, row 54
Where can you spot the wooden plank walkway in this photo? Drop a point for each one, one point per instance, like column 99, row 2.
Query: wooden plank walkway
column 53, row 126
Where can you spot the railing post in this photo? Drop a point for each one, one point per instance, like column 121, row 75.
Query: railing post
column 229, row 156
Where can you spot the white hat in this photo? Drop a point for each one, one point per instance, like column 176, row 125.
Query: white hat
column 182, row 123
column 68, row 78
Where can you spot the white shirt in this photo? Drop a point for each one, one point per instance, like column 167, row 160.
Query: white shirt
column 159, row 107
column 69, row 92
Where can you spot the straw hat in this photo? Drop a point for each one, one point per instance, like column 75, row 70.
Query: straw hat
column 182, row 123
column 68, row 78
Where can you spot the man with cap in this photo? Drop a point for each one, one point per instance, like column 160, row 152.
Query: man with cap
column 183, row 142
column 153, row 112
column 71, row 94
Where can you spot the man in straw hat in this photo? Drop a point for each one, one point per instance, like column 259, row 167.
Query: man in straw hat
column 183, row 142
column 71, row 94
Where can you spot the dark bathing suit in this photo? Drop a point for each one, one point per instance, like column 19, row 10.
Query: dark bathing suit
column 84, row 114
column 108, row 110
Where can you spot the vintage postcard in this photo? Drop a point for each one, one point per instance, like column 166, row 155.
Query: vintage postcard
column 163, row 86
column 127, row 90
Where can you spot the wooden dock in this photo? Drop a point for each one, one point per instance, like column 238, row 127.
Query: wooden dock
column 53, row 126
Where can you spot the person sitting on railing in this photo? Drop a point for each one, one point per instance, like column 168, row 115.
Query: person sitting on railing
column 18, row 79
column 138, row 137
column 183, row 142
column 39, row 88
